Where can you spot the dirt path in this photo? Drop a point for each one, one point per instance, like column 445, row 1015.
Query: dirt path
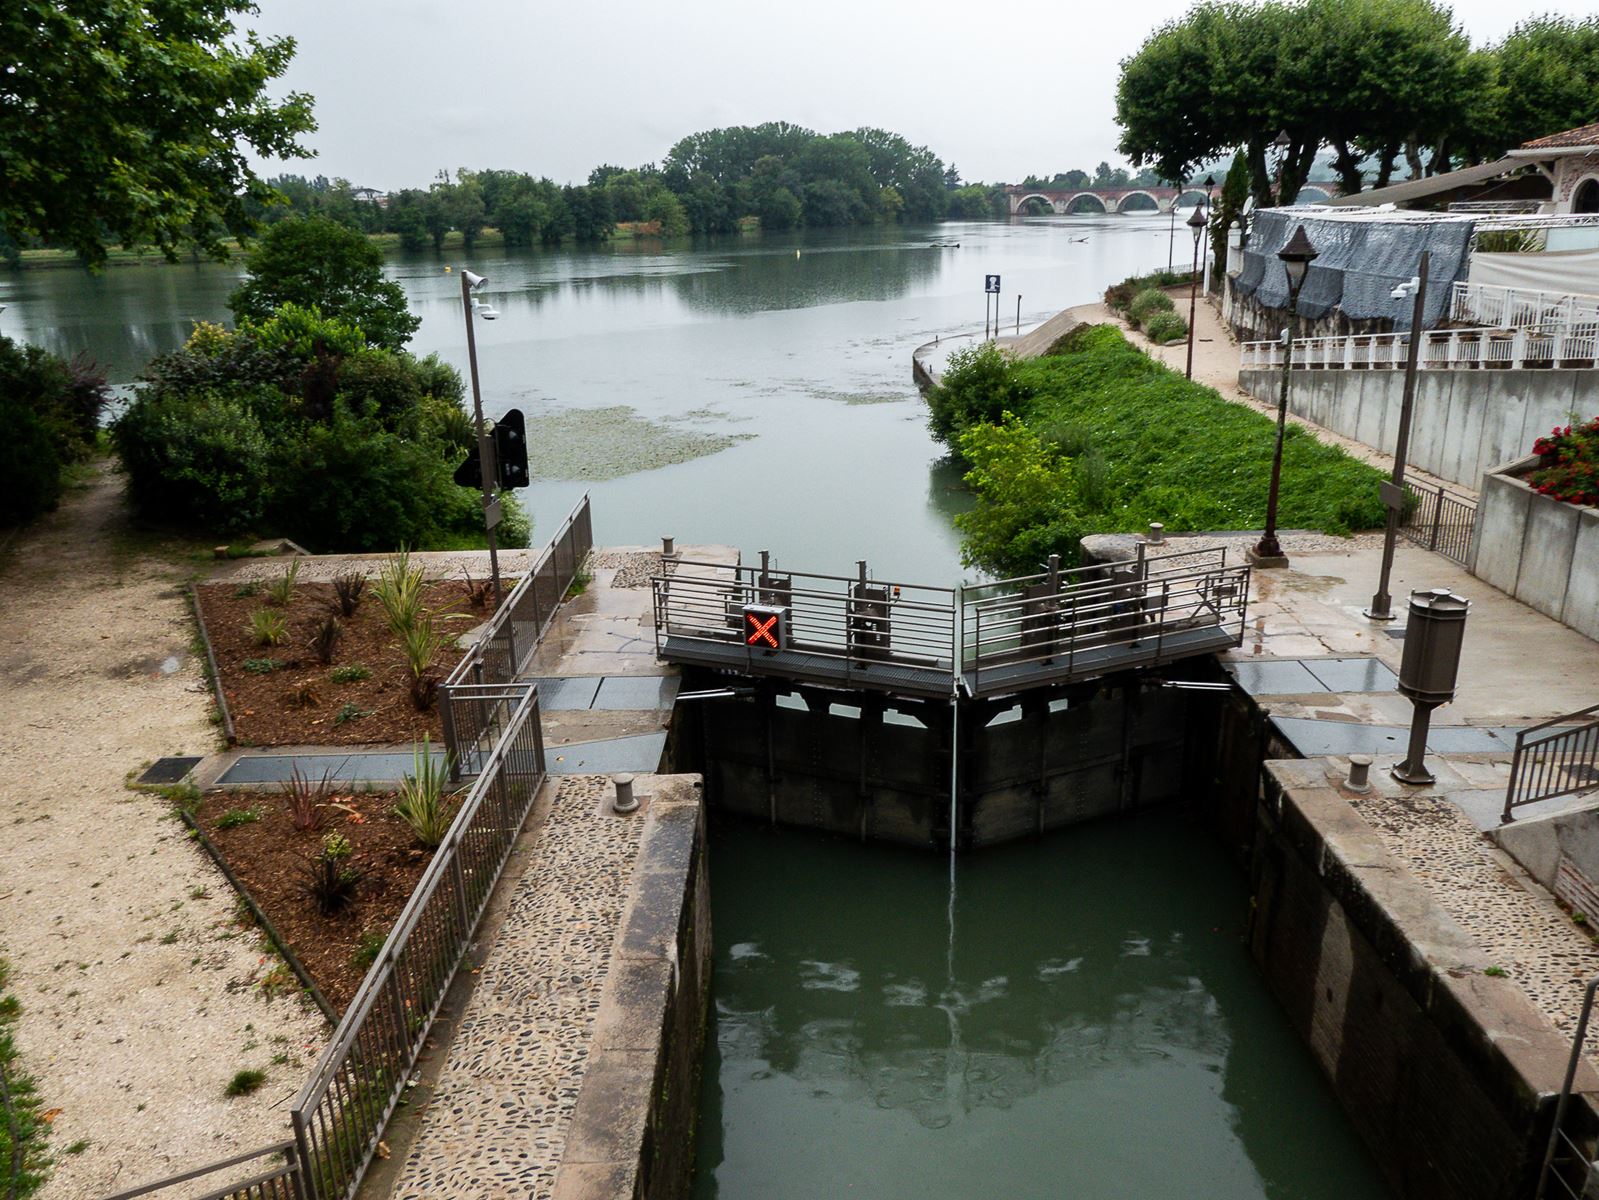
column 140, row 996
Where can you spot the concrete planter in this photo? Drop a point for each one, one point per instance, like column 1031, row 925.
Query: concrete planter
column 1542, row 551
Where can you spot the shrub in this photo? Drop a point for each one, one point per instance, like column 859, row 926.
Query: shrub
column 330, row 883
column 50, row 411
column 348, row 711
column 305, row 800
column 324, row 637
column 1166, row 327
column 1119, row 295
column 235, row 817
column 348, row 587
column 349, row 673
column 977, row 388
column 269, row 628
column 399, row 592
column 280, row 591
column 367, row 950
column 202, row 457
column 1568, row 464
column 422, row 801
column 336, row 845
column 261, row 666
column 1146, row 304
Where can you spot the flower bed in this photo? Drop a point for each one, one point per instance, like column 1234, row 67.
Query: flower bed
column 283, row 694
column 1568, row 464
column 254, row 833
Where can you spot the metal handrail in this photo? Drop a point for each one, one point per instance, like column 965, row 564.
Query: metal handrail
column 1543, row 759
column 1441, row 521
column 252, row 1188
column 1506, row 307
column 1557, row 1131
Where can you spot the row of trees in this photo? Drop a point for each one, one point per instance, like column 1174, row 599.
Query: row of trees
column 783, row 175
column 1378, row 82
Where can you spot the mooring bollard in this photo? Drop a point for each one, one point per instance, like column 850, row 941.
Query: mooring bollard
column 1157, row 533
column 1359, row 773
column 668, row 549
column 624, row 801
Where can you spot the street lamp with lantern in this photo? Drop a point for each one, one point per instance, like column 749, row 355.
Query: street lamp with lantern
column 1196, row 224
column 1204, row 254
column 1296, row 257
column 471, row 281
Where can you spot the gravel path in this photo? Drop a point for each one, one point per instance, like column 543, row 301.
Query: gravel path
column 139, row 995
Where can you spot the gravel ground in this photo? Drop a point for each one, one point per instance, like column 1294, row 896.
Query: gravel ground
column 139, row 995
column 1535, row 943
column 496, row 1124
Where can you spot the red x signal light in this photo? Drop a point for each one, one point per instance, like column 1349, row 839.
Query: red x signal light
column 765, row 627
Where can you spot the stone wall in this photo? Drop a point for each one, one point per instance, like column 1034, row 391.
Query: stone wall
column 1447, row 1073
column 632, row 1134
column 1542, row 551
column 1465, row 422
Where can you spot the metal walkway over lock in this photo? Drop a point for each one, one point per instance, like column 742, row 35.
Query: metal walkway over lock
column 979, row 640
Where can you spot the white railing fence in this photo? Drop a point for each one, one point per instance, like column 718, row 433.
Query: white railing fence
column 1524, row 347
column 1509, row 307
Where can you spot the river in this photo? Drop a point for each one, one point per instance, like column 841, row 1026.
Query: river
column 788, row 356
column 1083, row 1021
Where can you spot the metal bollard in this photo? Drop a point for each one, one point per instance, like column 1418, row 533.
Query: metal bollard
column 1359, row 773
column 624, row 801
column 1157, row 533
column 668, row 549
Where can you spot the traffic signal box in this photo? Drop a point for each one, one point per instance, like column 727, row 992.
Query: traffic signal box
column 766, row 627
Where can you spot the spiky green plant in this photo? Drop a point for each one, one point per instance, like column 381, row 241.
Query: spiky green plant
column 269, row 628
column 423, row 805
column 280, row 591
column 399, row 591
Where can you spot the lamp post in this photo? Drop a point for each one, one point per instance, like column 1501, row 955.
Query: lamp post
column 1171, row 236
column 1296, row 256
column 1204, row 254
column 1393, row 492
column 1196, row 223
column 470, row 282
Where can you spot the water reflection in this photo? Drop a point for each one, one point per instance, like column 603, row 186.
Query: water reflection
column 1089, row 1017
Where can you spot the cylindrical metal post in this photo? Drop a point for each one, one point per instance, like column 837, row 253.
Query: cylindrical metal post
column 485, row 448
column 1381, row 602
column 1413, row 770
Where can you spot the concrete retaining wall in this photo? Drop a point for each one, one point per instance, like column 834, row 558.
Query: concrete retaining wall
column 1542, row 551
column 632, row 1134
column 1449, row 1074
column 1465, row 422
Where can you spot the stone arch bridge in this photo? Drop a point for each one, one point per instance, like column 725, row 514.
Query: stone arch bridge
column 1127, row 199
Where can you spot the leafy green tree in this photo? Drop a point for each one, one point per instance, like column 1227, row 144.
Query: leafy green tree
column 314, row 262
column 666, row 208
column 590, row 210
column 977, row 387
column 1353, row 74
column 126, row 121
column 406, row 217
column 1546, row 76
column 1026, row 495
column 1229, row 207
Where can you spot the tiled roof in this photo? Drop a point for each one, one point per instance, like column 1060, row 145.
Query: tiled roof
column 1583, row 135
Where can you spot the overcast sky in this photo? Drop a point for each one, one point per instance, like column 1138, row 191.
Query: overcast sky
column 406, row 87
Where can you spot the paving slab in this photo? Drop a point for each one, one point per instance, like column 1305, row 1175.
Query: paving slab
column 639, row 754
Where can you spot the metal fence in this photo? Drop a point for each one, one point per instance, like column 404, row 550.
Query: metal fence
column 1058, row 622
column 340, row 1113
column 1566, row 1161
column 1553, row 759
column 1526, row 347
column 477, row 697
column 277, row 1176
column 1440, row 521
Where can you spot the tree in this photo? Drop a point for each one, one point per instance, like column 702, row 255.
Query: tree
column 315, row 262
column 127, row 120
column 666, row 208
column 1547, row 79
column 1353, row 74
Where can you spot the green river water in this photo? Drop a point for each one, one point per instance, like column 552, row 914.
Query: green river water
column 1082, row 1021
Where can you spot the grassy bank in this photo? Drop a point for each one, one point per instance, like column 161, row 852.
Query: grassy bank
column 1097, row 437
column 22, row 1126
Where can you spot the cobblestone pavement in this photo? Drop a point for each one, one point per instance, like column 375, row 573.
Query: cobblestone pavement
column 1528, row 936
column 496, row 1125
